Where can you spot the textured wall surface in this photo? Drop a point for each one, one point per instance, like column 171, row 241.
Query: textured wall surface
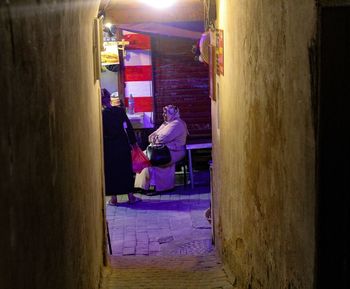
column 51, row 190
column 264, row 148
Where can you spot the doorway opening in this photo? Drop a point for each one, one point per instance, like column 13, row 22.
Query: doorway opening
column 159, row 67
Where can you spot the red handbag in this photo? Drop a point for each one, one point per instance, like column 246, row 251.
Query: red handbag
column 139, row 160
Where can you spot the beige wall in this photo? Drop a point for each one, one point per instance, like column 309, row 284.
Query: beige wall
column 264, row 149
column 51, row 190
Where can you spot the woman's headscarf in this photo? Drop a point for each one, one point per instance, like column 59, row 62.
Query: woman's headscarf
column 172, row 112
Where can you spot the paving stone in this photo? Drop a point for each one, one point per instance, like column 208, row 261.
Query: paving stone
column 142, row 251
column 175, row 197
column 153, row 235
column 165, row 197
column 186, row 260
column 130, row 240
column 164, row 224
column 129, row 250
column 142, row 236
column 166, row 239
column 153, row 226
column 154, row 247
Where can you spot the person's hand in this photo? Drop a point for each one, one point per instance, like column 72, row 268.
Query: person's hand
column 153, row 139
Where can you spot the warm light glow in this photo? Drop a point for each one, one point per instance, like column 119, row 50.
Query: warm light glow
column 159, row 4
column 108, row 25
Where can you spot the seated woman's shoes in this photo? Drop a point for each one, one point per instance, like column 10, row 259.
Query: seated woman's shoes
column 151, row 193
column 134, row 200
column 154, row 192
column 139, row 191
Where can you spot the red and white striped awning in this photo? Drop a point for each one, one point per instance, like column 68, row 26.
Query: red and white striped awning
column 138, row 71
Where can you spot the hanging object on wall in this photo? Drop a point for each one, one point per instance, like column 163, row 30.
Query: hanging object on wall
column 204, row 43
column 121, row 46
column 219, row 52
column 110, row 55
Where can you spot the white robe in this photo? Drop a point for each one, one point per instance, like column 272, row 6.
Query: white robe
column 173, row 134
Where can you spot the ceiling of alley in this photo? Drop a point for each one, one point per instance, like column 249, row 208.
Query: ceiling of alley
column 134, row 11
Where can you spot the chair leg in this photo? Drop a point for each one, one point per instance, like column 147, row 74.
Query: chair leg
column 185, row 176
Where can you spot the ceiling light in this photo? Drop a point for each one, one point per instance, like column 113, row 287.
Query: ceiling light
column 159, row 4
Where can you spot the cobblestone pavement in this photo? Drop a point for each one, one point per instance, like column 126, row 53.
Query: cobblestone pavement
column 168, row 224
column 164, row 242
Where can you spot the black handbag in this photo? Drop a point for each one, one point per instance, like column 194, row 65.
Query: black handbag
column 159, row 155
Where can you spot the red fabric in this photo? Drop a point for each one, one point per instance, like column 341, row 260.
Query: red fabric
column 138, row 41
column 139, row 160
column 142, row 103
column 138, row 73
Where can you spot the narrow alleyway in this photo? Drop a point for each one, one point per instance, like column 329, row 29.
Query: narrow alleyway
column 165, row 241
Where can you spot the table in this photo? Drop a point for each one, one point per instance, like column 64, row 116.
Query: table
column 189, row 148
column 136, row 119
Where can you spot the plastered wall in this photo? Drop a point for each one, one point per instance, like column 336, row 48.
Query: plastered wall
column 51, row 216
column 264, row 147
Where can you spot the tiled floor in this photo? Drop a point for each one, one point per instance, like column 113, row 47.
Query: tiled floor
column 164, row 242
column 168, row 224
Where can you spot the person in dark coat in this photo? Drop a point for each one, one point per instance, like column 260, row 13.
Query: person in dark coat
column 118, row 139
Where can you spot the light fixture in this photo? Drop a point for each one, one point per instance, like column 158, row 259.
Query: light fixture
column 159, row 4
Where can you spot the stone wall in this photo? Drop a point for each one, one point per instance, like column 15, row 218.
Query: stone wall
column 263, row 144
column 51, row 167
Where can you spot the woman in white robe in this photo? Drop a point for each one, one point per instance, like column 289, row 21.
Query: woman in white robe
column 173, row 133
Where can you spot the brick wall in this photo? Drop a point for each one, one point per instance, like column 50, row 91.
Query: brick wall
column 180, row 80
